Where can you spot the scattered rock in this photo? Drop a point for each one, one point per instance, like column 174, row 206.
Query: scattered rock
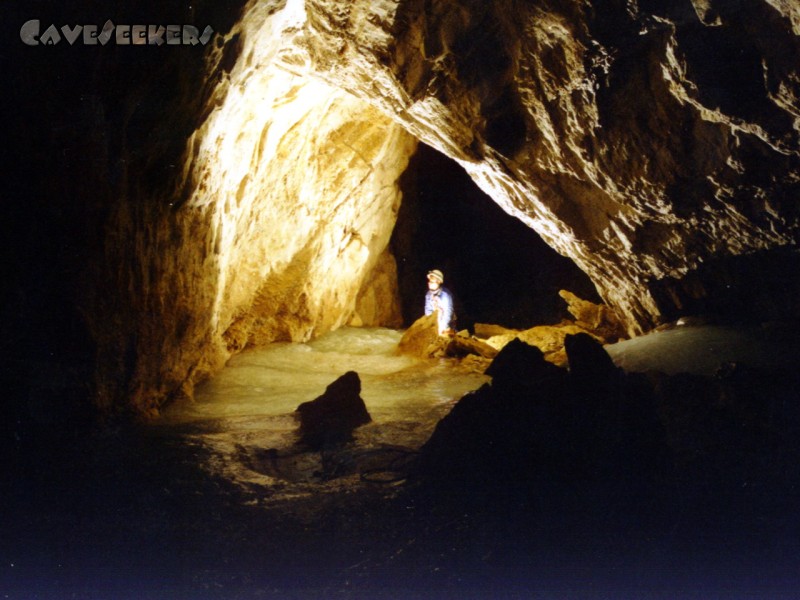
column 462, row 345
column 475, row 364
column 487, row 330
column 423, row 340
column 331, row 418
column 548, row 338
column 598, row 319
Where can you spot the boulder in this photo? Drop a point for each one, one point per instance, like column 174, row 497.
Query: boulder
column 520, row 364
column 588, row 361
column 461, row 346
column 488, row 330
column 331, row 418
column 422, row 338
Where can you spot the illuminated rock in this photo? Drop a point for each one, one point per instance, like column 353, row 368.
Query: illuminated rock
column 642, row 146
column 462, row 345
column 377, row 303
column 290, row 196
column 598, row 319
column 422, row 338
column 547, row 338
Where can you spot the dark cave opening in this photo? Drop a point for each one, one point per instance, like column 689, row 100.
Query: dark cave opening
column 499, row 270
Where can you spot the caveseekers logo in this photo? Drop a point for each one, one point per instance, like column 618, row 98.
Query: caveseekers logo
column 123, row 35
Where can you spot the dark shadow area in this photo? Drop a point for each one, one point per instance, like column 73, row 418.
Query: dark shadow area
column 754, row 288
column 684, row 484
column 587, row 483
column 499, row 269
column 84, row 126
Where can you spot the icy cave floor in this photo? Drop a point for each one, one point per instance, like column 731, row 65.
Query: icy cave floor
column 192, row 507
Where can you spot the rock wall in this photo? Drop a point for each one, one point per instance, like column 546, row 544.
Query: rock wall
column 247, row 196
column 640, row 140
column 276, row 228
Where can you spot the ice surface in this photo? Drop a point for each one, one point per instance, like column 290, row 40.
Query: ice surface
column 247, row 409
column 703, row 349
column 261, row 388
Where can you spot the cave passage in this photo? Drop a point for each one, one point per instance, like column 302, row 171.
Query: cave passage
column 501, row 272
column 499, row 269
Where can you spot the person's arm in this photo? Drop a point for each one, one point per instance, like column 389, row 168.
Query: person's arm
column 428, row 304
column 446, row 311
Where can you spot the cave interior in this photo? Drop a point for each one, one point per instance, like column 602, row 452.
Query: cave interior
column 116, row 302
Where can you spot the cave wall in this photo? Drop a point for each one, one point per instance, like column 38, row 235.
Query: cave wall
column 194, row 201
column 640, row 140
column 276, row 229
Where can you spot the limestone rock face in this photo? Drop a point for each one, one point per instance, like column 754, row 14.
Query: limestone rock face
column 378, row 301
column 277, row 231
column 300, row 181
column 642, row 142
column 639, row 142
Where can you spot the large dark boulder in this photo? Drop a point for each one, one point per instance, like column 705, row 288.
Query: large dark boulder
column 540, row 434
column 502, row 434
column 330, row 418
column 521, row 365
column 588, row 361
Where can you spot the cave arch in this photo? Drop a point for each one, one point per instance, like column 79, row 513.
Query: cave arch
column 501, row 271
column 638, row 199
column 297, row 186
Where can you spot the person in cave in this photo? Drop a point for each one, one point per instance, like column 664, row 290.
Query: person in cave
column 439, row 299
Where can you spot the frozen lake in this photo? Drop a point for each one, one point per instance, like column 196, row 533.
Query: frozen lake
column 242, row 420
column 248, row 407
column 703, row 349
